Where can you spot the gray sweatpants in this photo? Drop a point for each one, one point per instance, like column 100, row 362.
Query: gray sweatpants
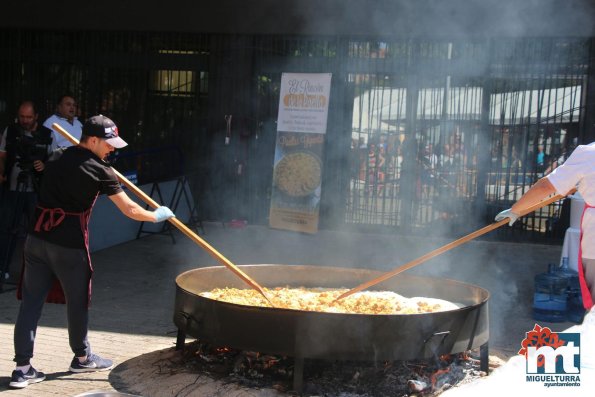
column 589, row 268
column 43, row 261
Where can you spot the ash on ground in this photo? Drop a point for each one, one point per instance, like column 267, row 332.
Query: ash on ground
column 328, row 378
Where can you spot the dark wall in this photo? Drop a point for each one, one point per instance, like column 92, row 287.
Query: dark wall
column 430, row 18
column 589, row 114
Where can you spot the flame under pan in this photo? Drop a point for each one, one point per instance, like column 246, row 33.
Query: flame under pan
column 307, row 334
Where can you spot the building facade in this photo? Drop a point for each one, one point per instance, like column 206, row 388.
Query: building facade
column 442, row 113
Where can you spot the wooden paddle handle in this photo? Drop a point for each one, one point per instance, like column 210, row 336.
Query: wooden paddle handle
column 177, row 223
column 448, row 247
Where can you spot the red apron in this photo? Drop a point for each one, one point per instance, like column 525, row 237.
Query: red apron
column 586, row 293
column 48, row 219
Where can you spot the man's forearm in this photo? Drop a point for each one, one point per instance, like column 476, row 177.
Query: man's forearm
column 539, row 191
column 131, row 209
column 138, row 213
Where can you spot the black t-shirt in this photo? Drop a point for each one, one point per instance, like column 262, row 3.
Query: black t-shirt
column 72, row 182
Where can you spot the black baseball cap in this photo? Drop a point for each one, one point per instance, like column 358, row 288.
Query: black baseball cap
column 104, row 128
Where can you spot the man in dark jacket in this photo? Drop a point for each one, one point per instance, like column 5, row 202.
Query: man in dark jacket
column 24, row 149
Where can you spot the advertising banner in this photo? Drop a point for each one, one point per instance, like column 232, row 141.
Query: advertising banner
column 297, row 175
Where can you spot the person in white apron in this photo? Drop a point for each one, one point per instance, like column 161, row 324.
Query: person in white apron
column 57, row 266
column 578, row 171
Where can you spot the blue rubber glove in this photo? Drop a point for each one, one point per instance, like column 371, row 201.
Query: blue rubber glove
column 507, row 214
column 163, row 213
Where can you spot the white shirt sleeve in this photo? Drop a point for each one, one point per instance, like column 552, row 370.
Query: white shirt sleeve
column 48, row 122
column 568, row 175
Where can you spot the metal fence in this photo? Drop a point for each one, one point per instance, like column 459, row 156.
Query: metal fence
column 451, row 133
column 423, row 135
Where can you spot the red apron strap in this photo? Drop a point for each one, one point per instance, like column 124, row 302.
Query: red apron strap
column 50, row 218
column 585, row 292
column 84, row 219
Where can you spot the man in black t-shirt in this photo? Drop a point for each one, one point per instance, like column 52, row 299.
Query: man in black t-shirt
column 57, row 247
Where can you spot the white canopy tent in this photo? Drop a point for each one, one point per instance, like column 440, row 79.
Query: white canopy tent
column 384, row 109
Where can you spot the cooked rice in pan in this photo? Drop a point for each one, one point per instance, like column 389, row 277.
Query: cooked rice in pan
column 320, row 300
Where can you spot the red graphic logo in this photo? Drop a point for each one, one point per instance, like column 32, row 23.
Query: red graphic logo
column 538, row 337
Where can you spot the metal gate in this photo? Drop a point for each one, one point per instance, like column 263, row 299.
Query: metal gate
column 424, row 135
column 447, row 134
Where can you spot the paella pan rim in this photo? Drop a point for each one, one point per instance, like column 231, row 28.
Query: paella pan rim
column 345, row 336
column 263, row 309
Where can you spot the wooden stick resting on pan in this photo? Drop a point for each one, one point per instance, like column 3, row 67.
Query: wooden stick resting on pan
column 179, row 224
column 447, row 247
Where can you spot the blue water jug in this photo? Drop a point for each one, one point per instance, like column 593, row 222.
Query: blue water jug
column 574, row 308
column 550, row 299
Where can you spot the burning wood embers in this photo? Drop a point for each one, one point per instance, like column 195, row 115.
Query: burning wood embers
column 334, row 378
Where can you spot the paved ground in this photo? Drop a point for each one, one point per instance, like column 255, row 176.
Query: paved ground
column 134, row 290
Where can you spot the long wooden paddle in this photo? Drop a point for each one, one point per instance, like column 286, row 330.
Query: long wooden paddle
column 448, row 247
column 179, row 224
